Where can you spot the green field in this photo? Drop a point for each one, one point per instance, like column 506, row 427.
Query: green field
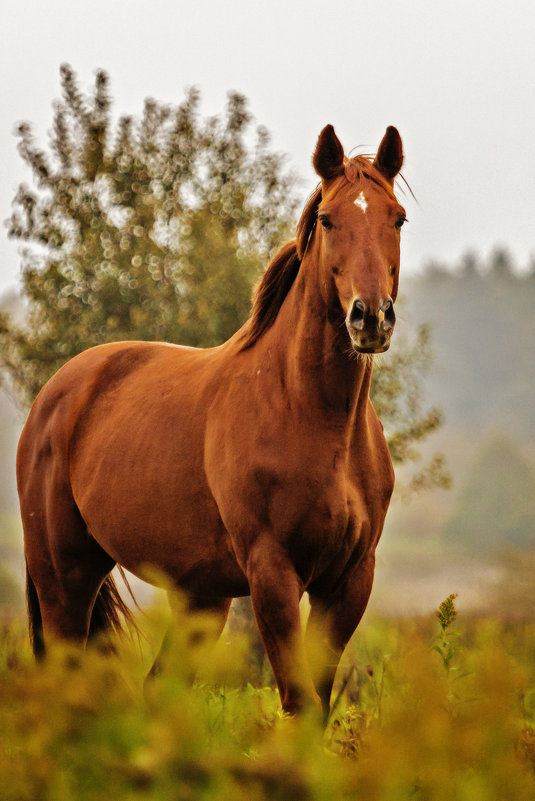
column 423, row 711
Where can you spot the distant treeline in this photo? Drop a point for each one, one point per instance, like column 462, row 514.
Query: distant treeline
column 483, row 338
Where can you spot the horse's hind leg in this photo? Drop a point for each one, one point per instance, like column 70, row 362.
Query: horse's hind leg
column 65, row 565
column 217, row 608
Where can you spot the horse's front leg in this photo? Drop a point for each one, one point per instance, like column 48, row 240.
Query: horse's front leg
column 332, row 621
column 275, row 593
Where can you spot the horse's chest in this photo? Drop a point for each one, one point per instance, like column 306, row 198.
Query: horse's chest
column 327, row 532
column 303, row 488
column 328, row 524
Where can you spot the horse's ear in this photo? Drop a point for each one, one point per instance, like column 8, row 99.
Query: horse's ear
column 328, row 159
column 389, row 157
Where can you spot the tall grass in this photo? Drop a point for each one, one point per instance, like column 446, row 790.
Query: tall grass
column 407, row 725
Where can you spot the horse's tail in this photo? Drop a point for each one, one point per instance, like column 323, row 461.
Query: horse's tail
column 35, row 621
column 110, row 611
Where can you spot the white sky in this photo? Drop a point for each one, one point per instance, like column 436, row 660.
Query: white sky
column 456, row 78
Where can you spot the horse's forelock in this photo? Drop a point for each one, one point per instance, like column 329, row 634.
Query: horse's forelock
column 359, row 167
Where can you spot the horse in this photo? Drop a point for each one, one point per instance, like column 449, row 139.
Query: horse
column 258, row 467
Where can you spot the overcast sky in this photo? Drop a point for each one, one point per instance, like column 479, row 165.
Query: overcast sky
column 456, row 78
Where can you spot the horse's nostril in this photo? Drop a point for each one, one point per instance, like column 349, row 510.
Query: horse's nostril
column 357, row 314
column 389, row 316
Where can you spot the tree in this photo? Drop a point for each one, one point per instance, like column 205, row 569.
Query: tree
column 154, row 231
column 157, row 231
column 469, row 266
column 501, row 265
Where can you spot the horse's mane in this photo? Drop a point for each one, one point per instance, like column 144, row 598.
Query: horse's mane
column 281, row 272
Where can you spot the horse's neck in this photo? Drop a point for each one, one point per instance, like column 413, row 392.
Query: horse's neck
column 319, row 369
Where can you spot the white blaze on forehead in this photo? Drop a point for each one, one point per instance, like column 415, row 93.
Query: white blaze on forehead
column 361, row 202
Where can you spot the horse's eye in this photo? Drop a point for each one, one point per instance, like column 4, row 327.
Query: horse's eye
column 325, row 221
column 400, row 221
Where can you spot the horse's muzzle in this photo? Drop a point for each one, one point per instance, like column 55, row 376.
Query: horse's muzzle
column 370, row 329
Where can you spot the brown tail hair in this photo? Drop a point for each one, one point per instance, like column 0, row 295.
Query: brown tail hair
column 35, row 622
column 110, row 611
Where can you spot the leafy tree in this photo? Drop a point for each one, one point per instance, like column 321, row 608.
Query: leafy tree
column 156, row 229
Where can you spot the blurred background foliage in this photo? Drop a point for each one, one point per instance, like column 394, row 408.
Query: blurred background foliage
column 483, row 377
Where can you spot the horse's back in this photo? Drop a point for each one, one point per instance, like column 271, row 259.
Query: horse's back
column 72, row 392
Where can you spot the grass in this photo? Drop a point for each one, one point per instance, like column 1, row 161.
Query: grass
column 412, row 721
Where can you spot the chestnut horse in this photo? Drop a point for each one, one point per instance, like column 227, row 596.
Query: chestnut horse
column 257, row 467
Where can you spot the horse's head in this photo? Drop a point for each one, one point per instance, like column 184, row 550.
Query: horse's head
column 359, row 222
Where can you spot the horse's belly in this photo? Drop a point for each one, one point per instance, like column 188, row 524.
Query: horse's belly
column 210, row 575
column 162, row 548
